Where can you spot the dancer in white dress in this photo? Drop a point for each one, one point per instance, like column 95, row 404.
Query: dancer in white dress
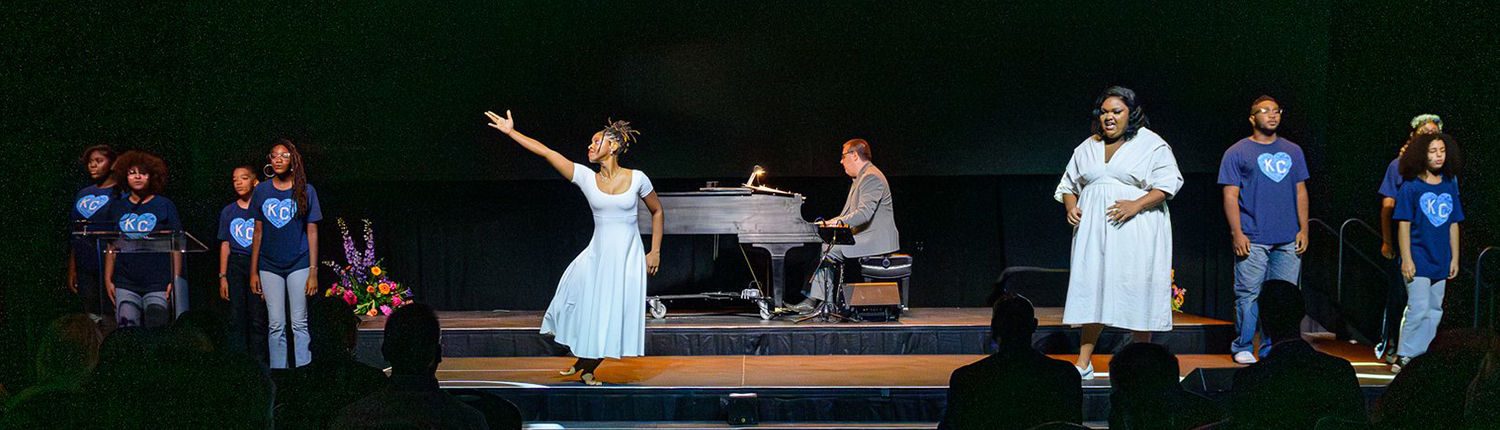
column 599, row 310
column 1115, row 190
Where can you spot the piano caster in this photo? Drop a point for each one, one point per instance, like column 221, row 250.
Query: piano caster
column 657, row 308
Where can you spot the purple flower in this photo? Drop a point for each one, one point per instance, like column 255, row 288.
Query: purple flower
column 369, row 245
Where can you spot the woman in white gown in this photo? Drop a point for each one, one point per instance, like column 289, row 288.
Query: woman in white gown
column 1115, row 190
column 599, row 310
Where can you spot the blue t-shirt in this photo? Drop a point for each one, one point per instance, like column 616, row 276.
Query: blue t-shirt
column 1267, row 175
column 147, row 271
column 283, row 235
column 237, row 226
column 1391, row 183
column 1430, row 209
column 90, row 211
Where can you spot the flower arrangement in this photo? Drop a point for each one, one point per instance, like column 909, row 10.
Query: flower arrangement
column 1179, row 295
column 363, row 283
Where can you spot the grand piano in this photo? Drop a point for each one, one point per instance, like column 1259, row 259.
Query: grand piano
column 761, row 217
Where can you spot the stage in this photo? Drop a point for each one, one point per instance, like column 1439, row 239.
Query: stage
column 823, row 375
column 936, row 331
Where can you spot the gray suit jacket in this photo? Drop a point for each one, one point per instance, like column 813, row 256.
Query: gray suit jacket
column 872, row 214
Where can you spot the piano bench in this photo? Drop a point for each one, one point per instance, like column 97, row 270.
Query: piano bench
column 889, row 267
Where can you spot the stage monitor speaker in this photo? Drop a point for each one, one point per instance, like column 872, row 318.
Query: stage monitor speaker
column 740, row 409
column 1209, row 381
column 874, row 301
column 872, row 294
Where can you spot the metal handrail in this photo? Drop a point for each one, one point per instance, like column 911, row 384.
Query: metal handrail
column 1339, row 280
column 1479, row 280
column 1362, row 223
column 1344, row 241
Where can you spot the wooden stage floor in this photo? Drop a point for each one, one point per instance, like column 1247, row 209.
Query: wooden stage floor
column 817, row 371
column 916, row 317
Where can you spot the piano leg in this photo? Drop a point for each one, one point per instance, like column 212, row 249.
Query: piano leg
column 778, row 269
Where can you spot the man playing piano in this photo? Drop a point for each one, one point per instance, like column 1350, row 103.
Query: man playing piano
column 868, row 210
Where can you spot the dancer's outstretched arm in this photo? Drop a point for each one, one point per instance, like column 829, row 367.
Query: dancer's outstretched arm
column 507, row 125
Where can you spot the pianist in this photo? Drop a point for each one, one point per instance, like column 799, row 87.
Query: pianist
column 868, row 209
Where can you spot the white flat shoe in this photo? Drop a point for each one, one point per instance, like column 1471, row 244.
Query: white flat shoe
column 1086, row 374
column 1244, row 357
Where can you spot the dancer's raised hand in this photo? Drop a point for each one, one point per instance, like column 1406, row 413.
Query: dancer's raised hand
column 505, row 125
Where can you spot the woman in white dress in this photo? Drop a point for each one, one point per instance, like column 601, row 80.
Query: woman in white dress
column 599, row 310
column 1115, row 190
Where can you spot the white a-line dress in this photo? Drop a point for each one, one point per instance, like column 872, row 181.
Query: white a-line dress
column 1121, row 276
column 599, row 310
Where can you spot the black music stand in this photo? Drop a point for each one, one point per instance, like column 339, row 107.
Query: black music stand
column 830, row 309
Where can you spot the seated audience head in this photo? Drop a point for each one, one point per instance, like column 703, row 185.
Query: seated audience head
column 1433, row 390
column 208, row 324
column 413, row 340
column 1144, row 368
column 334, row 330
column 1281, row 309
column 69, row 347
column 1014, row 320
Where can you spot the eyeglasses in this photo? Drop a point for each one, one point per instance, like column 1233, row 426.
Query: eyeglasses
column 134, row 172
column 282, row 155
column 1264, row 111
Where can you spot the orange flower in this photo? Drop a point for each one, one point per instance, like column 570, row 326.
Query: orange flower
column 375, row 270
column 385, row 288
column 370, row 289
column 372, row 312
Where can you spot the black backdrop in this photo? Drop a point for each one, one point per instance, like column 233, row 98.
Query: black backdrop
column 972, row 108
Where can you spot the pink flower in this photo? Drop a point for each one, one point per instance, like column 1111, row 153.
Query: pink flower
column 385, row 309
column 396, row 301
column 349, row 296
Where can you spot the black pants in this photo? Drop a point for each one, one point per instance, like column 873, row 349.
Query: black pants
column 90, row 293
column 247, row 310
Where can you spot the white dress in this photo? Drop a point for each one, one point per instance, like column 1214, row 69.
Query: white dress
column 599, row 310
column 1121, row 276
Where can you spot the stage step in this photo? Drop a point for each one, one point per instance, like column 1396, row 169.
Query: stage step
column 846, row 389
column 622, row 425
column 920, row 331
column 716, row 426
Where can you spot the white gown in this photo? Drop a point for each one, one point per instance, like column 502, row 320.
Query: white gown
column 599, row 310
column 1121, row 276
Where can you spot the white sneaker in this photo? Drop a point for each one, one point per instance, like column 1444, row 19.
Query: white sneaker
column 1085, row 374
column 1244, row 357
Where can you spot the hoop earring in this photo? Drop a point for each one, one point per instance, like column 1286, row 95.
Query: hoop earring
column 268, row 171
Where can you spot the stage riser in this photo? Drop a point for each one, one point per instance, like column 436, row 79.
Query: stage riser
column 853, row 340
column 772, row 405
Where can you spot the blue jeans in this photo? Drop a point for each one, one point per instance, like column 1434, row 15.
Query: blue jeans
column 286, row 293
column 1424, row 309
column 1265, row 262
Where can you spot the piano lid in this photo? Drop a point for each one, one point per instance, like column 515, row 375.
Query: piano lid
column 774, row 218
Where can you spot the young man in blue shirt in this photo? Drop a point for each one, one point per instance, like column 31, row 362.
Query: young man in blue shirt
column 1265, row 202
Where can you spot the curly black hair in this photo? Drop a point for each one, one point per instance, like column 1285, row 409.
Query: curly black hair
column 1414, row 157
column 148, row 163
column 1137, row 119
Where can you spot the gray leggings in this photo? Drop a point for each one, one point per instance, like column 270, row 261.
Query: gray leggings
column 141, row 309
column 1424, row 310
column 283, row 294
